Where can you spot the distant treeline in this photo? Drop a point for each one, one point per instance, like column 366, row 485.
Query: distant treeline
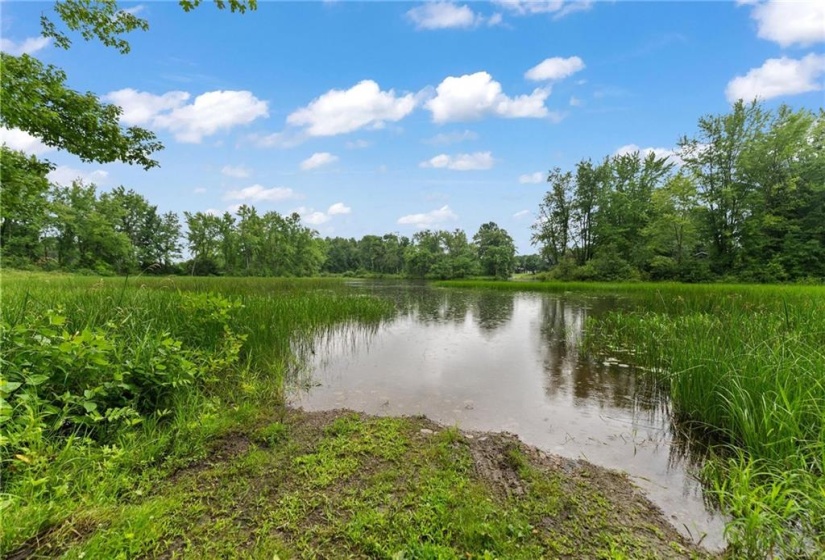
column 118, row 232
column 743, row 200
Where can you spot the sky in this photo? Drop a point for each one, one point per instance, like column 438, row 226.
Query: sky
column 378, row 117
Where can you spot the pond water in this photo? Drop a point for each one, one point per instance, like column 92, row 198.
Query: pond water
column 499, row 361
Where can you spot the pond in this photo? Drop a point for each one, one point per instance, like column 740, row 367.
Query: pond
column 488, row 360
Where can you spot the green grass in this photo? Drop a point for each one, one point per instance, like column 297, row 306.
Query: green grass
column 110, row 384
column 744, row 366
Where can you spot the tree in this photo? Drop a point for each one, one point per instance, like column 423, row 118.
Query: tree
column 496, row 250
column 24, row 203
column 34, row 97
column 552, row 229
column 713, row 157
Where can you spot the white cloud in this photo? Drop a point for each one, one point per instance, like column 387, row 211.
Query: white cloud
column 474, row 96
column 671, row 155
column 790, row 23
column 312, row 217
column 318, row 159
column 316, row 217
column 559, row 8
column 21, row 140
column 445, row 138
column 276, row 140
column 208, row 113
column 29, row 45
column 495, row 19
column 343, row 111
column 461, row 162
column 338, row 208
column 555, row 68
column 239, row 172
column 438, row 216
column 575, row 101
column 65, row 175
column 778, row 77
column 532, row 178
column 357, row 144
column 522, row 214
column 199, row 190
column 443, row 15
column 258, row 193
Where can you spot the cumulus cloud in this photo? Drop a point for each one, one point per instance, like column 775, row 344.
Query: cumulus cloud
column 438, row 216
column 318, row 159
column 461, row 162
column 555, row 68
column 21, row 140
column 532, row 178
column 443, row 15
column 446, row 138
column 239, row 172
column 790, row 23
column 206, row 115
column 343, row 111
column 29, row 45
column 312, row 217
column 316, row 217
column 473, row 96
column 65, row 176
column 258, row 193
column 778, row 77
column 338, row 208
column 671, row 155
column 559, row 8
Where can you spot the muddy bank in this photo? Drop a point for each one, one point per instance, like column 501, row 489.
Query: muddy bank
column 339, row 484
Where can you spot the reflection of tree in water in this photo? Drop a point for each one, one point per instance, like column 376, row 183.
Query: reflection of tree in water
column 493, row 309
column 442, row 306
column 570, row 371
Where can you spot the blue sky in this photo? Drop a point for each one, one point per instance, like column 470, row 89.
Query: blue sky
column 389, row 117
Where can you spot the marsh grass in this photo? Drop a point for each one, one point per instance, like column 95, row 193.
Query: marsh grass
column 109, row 384
column 744, row 366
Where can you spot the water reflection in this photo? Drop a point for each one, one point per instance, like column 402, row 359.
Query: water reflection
column 494, row 360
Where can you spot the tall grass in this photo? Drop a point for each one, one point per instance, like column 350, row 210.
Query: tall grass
column 108, row 383
column 745, row 369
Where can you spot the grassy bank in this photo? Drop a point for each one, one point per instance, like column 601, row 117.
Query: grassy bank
column 110, row 384
column 745, row 369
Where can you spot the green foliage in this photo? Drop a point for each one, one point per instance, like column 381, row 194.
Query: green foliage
column 108, row 384
column 496, row 251
column 34, row 98
column 748, row 203
column 267, row 245
column 23, row 203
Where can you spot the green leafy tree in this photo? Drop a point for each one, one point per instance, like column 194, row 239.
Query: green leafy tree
column 552, row 230
column 23, row 204
column 496, row 250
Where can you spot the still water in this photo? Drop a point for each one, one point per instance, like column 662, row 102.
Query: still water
column 492, row 361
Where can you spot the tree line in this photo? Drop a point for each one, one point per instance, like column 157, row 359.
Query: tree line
column 743, row 200
column 77, row 228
